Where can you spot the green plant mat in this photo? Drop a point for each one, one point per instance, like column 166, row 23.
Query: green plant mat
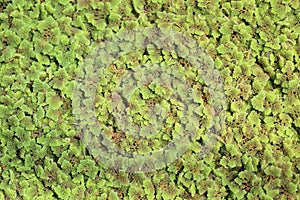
column 255, row 47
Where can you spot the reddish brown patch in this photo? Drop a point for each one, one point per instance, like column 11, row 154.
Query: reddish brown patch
column 47, row 35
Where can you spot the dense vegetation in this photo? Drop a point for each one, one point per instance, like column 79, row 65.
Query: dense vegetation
column 255, row 46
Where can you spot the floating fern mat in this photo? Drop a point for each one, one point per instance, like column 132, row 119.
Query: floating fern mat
column 149, row 99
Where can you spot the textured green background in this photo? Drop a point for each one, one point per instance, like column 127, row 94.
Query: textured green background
column 256, row 47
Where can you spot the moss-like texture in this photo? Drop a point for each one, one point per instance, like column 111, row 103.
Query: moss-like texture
column 256, row 47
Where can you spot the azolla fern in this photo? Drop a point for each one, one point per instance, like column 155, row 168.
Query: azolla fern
column 142, row 102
